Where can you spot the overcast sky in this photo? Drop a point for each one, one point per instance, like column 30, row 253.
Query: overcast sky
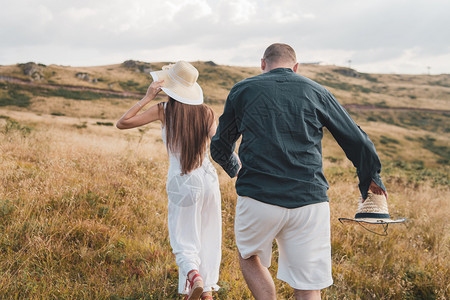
column 378, row 36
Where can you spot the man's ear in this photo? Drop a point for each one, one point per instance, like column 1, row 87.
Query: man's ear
column 263, row 64
column 295, row 67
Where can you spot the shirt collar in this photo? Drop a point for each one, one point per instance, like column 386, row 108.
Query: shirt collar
column 281, row 70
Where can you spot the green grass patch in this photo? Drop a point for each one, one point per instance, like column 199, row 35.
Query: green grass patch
column 212, row 74
column 433, row 122
column 130, row 84
column 344, row 86
column 441, row 82
column 16, row 98
column 368, row 77
column 105, row 123
column 381, row 104
column 441, row 150
column 6, row 209
column 387, row 140
column 71, row 94
column 416, row 172
column 80, row 126
column 418, row 284
column 325, row 76
column 333, row 159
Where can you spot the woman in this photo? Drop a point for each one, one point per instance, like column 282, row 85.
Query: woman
column 194, row 214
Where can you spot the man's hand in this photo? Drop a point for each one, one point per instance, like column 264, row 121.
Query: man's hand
column 374, row 188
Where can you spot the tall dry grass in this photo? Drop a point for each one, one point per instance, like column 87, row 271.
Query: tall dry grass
column 83, row 216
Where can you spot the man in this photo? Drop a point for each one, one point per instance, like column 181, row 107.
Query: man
column 282, row 191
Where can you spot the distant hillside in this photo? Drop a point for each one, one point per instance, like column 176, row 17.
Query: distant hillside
column 349, row 86
column 131, row 77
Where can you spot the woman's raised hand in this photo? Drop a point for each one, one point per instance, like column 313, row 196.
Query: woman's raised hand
column 152, row 91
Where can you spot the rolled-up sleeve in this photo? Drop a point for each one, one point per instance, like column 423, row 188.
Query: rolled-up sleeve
column 357, row 146
column 223, row 142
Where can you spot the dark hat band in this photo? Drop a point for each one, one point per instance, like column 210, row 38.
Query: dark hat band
column 372, row 215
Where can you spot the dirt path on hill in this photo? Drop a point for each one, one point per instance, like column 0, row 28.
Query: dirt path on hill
column 135, row 94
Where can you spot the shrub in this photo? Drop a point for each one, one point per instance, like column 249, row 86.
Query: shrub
column 12, row 125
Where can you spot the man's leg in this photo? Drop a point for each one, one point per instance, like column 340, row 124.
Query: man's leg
column 258, row 278
column 307, row 295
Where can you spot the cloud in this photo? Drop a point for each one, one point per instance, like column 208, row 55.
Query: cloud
column 374, row 34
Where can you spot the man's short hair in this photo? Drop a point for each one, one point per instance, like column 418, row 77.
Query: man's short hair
column 280, row 53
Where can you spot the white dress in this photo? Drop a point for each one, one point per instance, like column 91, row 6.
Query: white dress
column 194, row 220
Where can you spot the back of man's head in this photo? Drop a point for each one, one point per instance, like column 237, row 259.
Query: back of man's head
column 280, row 54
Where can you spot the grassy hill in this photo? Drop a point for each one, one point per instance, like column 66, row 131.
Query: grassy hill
column 384, row 104
column 83, row 205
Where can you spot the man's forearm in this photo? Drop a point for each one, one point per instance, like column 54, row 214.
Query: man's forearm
column 225, row 158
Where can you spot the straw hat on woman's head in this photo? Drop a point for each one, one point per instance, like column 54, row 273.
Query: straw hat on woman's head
column 180, row 82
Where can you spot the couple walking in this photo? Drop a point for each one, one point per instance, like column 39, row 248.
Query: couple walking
column 280, row 183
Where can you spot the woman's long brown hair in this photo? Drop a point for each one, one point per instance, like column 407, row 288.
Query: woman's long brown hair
column 187, row 128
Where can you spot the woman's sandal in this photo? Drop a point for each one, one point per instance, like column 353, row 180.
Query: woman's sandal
column 195, row 286
column 207, row 296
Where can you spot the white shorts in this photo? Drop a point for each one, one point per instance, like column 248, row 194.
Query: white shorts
column 302, row 235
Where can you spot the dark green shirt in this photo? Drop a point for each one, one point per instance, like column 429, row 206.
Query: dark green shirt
column 281, row 116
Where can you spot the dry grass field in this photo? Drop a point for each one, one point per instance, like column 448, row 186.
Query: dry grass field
column 83, row 205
